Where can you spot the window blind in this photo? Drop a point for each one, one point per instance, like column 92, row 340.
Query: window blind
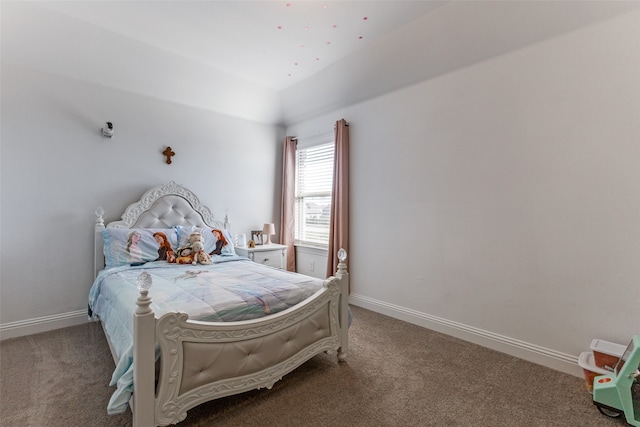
column 314, row 181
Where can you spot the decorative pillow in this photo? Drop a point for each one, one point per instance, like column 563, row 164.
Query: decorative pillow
column 135, row 246
column 211, row 245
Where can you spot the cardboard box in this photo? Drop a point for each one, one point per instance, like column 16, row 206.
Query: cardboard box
column 606, row 354
column 588, row 365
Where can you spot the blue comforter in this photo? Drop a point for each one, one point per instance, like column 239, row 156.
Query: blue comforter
column 231, row 289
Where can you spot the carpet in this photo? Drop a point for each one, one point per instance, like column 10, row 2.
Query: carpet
column 396, row 374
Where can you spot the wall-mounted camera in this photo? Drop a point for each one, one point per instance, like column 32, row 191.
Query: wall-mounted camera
column 107, row 130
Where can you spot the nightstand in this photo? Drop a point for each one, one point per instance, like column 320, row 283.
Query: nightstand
column 273, row 255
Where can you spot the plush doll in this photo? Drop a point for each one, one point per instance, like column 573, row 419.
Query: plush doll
column 196, row 236
column 199, row 254
column 185, row 255
column 197, row 244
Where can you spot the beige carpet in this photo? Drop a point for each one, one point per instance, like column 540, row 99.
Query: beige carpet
column 397, row 374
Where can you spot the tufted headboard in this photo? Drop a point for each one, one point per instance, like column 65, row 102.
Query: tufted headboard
column 162, row 206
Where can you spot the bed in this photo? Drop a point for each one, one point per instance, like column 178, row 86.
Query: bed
column 184, row 334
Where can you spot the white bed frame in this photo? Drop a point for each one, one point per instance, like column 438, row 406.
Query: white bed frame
column 249, row 354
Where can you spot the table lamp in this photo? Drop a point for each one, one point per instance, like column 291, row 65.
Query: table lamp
column 268, row 230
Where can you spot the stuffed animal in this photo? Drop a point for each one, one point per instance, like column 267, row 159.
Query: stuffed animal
column 196, row 236
column 199, row 254
column 197, row 244
column 185, row 255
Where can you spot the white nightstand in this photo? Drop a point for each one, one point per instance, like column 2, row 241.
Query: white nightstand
column 273, row 255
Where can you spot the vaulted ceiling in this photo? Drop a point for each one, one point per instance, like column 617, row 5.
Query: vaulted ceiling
column 277, row 61
column 272, row 43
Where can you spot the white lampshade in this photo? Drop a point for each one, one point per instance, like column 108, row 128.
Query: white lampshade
column 268, row 230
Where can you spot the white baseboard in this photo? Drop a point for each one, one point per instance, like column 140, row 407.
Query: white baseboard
column 42, row 324
column 542, row 356
column 531, row 352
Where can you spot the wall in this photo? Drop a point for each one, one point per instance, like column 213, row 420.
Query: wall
column 56, row 168
column 499, row 201
column 311, row 261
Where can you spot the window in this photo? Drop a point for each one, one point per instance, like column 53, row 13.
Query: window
column 314, row 180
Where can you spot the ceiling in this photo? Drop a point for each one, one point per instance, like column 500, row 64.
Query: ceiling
column 272, row 43
column 277, row 61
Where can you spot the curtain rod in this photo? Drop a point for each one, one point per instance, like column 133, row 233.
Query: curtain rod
column 295, row 138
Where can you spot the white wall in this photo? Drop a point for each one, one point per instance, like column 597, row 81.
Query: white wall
column 56, row 168
column 311, row 261
column 500, row 201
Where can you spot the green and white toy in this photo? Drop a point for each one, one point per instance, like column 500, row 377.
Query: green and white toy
column 619, row 392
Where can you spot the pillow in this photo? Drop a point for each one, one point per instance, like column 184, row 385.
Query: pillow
column 210, row 240
column 135, row 246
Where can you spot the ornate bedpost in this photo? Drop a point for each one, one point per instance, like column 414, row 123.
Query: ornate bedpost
column 144, row 324
column 227, row 223
column 343, row 276
column 98, row 254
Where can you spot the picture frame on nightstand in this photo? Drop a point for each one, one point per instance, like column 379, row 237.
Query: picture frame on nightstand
column 256, row 236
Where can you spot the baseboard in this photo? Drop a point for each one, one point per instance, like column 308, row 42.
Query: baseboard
column 531, row 352
column 42, row 324
column 542, row 356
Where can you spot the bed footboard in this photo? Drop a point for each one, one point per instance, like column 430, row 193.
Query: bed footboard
column 202, row 361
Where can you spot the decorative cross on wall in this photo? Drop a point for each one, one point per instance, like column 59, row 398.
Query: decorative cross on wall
column 169, row 154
